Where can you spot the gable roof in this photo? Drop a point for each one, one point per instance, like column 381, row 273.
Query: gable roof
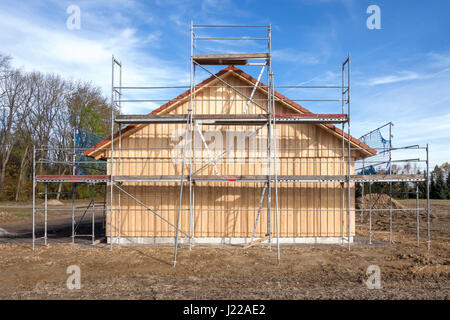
column 364, row 148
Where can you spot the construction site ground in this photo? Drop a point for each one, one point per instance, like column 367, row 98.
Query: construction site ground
column 408, row 271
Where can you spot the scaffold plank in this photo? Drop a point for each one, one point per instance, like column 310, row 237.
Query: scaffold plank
column 73, row 178
column 228, row 59
column 230, row 119
column 280, row 178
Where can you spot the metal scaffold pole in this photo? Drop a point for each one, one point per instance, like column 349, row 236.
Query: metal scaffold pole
column 269, row 149
column 73, row 212
column 111, row 167
column 275, row 154
column 34, row 198
column 348, row 155
column 74, row 171
column 343, row 156
column 187, row 137
column 45, row 213
column 112, row 173
column 417, row 215
column 93, row 214
column 428, row 200
column 370, row 212
column 192, row 158
column 390, row 184
column 361, row 218
column 119, row 206
column 119, row 211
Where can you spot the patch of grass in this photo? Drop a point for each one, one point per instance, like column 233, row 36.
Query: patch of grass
column 23, row 214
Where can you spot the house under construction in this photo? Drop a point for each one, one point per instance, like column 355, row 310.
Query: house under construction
column 233, row 161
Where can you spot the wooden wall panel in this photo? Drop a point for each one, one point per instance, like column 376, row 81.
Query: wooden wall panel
column 218, row 205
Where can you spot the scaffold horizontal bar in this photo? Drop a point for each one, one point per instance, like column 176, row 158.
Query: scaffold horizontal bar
column 73, row 178
column 280, row 178
column 229, row 26
column 238, row 119
column 235, row 38
column 199, row 86
column 229, row 58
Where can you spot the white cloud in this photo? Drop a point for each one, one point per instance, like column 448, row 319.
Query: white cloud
column 289, row 55
column 393, row 78
column 439, row 60
column 86, row 54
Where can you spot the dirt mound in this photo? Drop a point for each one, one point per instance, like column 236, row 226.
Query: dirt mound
column 379, row 201
column 54, row 202
column 6, row 216
column 382, row 201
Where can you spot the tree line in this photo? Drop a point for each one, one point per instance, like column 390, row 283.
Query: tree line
column 440, row 182
column 39, row 109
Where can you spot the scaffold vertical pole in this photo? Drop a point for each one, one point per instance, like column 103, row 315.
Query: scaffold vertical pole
column 348, row 155
column 428, row 200
column 119, row 154
column 74, row 156
column 362, row 199
column 370, row 212
column 194, row 156
column 417, row 214
column 342, row 209
column 275, row 154
column 73, row 213
column 119, row 211
column 269, row 149
column 34, row 198
column 93, row 214
column 192, row 161
column 362, row 206
column 111, row 167
column 390, row 184
column 343, row 156
column 45, row 212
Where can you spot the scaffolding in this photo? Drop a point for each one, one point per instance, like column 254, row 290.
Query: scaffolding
column 268, row 120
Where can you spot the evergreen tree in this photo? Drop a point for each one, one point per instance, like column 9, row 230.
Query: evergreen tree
column 422, row 186
column 438, row 185
column 448, row 185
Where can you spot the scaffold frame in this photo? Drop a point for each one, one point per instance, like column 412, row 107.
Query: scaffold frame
column 268, row 120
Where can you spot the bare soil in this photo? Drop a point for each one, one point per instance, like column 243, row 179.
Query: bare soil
column 305, row 272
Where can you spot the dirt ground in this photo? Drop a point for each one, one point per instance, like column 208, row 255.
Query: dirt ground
column 305, row 272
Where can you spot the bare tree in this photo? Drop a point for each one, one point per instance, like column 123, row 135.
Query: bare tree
column 42, row 110
column 48, row 102
column 25, row 133
column 14, row 103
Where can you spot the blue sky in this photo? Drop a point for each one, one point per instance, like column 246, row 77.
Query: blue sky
column 400, row 73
